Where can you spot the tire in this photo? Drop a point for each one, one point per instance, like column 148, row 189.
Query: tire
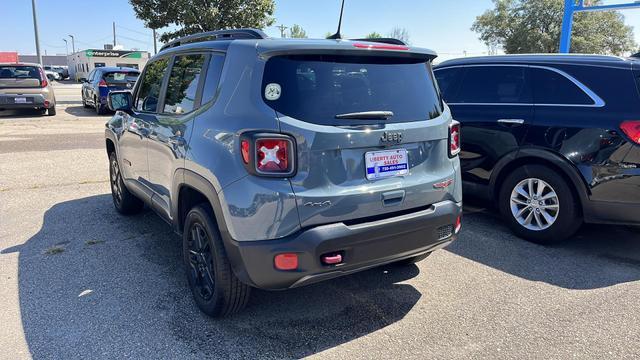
column 52, row 111
column 558, row 212
column 215, row 288
column 125, row 202
column 413, row 260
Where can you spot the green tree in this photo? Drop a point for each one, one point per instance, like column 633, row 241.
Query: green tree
column 298, row 32
column 534, row 26
column 192, row 17
column 373, row 35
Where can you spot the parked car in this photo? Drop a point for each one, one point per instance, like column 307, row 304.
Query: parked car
column 103, row 80
column 25, row 86
column 52, row 75
column 285, row 162
column 553, row 139
column 62, row 72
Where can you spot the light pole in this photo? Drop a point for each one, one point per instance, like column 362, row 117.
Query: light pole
column 66, row 46
column 35, row 30
column 73, row 43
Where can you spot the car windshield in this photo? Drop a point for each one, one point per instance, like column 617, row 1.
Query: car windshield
column 121, row 77
column 339, row 90
column 19, row 76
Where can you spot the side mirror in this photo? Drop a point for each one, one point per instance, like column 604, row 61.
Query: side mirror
column 120, row 100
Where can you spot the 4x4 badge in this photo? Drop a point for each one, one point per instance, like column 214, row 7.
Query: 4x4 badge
column 391, row 137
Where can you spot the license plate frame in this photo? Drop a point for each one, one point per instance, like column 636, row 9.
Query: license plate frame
column 20, row 100
column 382, row 164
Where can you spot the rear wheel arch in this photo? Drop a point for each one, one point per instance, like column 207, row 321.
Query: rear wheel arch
column 111, row 146
column 545, row 158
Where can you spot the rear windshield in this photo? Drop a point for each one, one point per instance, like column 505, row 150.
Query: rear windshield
column 316, row 88
column 121, row 77
column 19, row 76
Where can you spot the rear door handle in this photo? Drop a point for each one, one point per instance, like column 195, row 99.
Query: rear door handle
column 513, row 122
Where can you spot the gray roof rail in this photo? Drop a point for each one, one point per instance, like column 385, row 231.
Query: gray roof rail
column 217, row 35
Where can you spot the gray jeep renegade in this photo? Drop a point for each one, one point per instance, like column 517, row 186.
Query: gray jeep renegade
column 286, row 162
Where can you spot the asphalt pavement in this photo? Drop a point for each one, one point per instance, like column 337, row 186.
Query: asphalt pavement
column 80, row 281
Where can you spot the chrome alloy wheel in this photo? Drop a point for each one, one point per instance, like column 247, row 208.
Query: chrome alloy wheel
column 535, row 204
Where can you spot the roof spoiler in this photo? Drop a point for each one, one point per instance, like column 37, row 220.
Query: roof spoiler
column 231, row 34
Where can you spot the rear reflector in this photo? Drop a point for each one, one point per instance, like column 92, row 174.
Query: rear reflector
column 287, row 261
column 380, row 47
column 458, row 224
column 331, row 259
column 632, row 130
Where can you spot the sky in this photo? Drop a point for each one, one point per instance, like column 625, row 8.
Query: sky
column 441, row 25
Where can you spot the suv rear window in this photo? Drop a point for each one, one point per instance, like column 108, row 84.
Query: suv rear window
column 19, row 76
column 316, row 88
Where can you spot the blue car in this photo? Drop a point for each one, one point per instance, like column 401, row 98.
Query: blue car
column 102, row 81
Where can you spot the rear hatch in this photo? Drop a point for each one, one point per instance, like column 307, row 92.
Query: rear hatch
column 370, row 132
column 120, row 80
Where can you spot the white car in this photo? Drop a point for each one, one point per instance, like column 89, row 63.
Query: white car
column 52, row 75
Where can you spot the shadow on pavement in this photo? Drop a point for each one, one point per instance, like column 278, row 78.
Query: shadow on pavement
column 95, row 284
column 81, row 111
column 598, row 256
column 22, row 113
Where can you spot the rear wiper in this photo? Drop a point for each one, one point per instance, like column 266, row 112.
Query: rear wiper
column 383, row 115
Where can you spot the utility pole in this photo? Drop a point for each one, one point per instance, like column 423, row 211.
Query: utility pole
column 282, row 29
column 73, row 43
column 66, row 46
column 35, row 30
column 155, row 44
column 114, row 34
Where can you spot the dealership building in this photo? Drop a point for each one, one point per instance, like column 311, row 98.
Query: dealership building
column 83, row 62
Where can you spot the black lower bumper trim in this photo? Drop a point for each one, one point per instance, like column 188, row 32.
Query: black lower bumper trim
column 364, row 246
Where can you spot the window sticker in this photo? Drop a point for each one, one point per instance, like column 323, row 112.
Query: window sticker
column 272, row 91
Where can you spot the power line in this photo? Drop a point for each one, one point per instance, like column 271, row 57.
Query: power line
column 134, row 31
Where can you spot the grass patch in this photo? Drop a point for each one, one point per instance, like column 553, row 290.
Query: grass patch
column 94, row 242
column 54, row 250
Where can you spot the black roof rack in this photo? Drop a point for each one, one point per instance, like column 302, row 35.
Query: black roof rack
column 217, row 35
column 383, row 40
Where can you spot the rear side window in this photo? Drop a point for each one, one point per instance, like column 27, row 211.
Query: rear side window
column 149, row 92
column 183, row 84
column 495, row 85
column 214, row 71
column 316, row 88
column 553, row 88
column 449, row 81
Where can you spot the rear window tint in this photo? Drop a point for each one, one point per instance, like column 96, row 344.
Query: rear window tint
column 553, row 88
column 19, row 76
column 449, row 82
column 316, row 88
column 123, row 77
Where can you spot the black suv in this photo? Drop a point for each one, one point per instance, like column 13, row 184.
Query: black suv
column 554, row 139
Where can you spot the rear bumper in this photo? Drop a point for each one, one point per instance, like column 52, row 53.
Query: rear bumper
column 7, row 101
column 363, row 246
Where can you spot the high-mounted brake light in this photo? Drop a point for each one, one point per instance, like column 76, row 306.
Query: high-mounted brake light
column 380, row 46
column 632, row 130
column 102, row 83
column 454, row 138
